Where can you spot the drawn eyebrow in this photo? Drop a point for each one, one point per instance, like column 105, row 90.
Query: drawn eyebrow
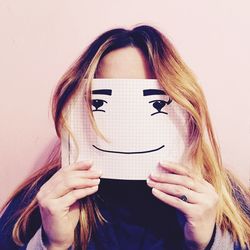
column 147, row 92
column 102, row 91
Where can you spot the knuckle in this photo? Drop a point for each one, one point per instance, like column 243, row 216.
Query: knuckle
column 178, row 191
column 52, row 209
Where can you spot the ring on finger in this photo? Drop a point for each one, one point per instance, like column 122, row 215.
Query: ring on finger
column 184, row 198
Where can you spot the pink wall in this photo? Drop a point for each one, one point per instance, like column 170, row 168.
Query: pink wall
column 39, row 40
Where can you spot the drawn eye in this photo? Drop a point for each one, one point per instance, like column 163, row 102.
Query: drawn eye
column 97, row 103
column 159, row 105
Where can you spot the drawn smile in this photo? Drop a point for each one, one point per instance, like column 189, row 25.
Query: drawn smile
column 129, row 152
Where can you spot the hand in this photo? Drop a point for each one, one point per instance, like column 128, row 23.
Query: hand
column 200, row 208
column 59, row 205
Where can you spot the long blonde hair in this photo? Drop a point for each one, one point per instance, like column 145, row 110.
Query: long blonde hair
column 179, row 82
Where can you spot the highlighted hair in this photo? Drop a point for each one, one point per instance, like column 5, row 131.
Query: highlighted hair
column 179, row 82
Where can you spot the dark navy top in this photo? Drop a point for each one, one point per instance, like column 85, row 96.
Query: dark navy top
column 136, row 219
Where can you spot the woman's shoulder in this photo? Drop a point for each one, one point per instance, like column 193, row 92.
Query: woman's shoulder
column 13, row 210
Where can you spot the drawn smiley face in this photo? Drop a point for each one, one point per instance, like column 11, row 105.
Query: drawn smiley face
column 159, row 101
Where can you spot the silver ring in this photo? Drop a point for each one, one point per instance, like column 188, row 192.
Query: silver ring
column 184, row 198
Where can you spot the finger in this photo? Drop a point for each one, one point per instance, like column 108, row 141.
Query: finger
column 69, row 184
column 176, row 169
column 62, row 175
column 176, row 190
column 84, row 165
column 74, row 167
column 49, row 185
column 75, row 174
column 172, row 201
column 76, row 194
column 88, row 174
column 182, row 180
column 198, row 183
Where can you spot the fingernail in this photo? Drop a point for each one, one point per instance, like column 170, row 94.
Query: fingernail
column 97, row 181
column 156, row 175
column 149, row 182
column 155, row 191
column 94, row 188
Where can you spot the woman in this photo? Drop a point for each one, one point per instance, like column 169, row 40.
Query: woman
column 61, row 208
